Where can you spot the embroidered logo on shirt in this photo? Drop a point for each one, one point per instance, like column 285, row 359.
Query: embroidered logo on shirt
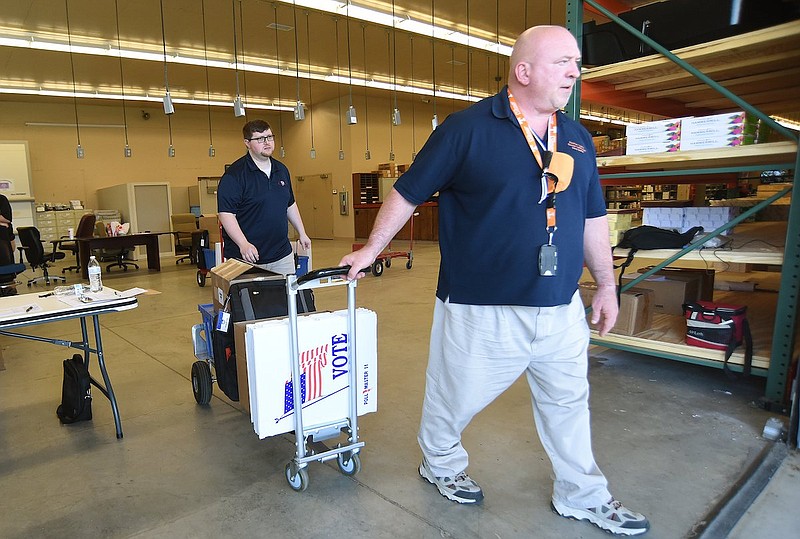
column 577, row 147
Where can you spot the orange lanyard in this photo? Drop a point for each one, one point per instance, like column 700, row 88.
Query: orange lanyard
column 548, row 180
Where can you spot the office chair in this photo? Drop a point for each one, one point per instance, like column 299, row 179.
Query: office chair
column 8, row 269
column 85, row 230
column 34, row 252
column 183, row 225
column 104, row 255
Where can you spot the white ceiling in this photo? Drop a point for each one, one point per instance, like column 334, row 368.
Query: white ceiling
column 311, row 46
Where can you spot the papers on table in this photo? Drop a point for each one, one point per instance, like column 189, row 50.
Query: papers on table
column 106, row 295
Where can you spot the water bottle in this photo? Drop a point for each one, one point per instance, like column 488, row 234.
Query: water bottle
column 95, row 279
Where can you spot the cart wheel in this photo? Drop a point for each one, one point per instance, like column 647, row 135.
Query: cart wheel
column 349, row 463
column 201, row 279
column 201, row 382
column 408, row 264
column 388, row 262
column 298, row 482
column 377, row 268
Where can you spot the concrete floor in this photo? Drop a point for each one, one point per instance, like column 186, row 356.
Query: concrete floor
column 672, row 438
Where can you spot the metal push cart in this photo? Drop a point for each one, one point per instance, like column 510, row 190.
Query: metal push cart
column 346, row 456
column 307, row 438
column 385, row 258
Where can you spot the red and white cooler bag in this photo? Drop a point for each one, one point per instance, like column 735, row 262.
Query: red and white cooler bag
column 719, row 326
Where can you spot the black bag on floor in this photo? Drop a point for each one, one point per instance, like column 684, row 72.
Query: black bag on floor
column 76, row 392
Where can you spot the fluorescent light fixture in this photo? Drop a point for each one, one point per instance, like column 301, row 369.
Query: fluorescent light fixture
column 405, row 23
column 785, row 122
column 601, row 119
column 169, row 108
column 40, row 91
column 351, row 115
column 238, row 107
column 11, row 37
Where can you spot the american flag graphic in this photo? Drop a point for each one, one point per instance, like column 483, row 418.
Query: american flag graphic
column 311, row 364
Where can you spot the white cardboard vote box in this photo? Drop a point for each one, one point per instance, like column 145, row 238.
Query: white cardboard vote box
column 325, row 364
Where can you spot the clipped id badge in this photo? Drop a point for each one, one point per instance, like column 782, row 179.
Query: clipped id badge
column 548, row 260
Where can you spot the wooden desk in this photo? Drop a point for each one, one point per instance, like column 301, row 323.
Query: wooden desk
column 148, row 239
column 33, row 309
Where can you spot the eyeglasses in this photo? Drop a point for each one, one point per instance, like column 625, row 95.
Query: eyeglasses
column 262, row 140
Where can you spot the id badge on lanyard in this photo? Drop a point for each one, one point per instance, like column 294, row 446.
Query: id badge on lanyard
column 548, row 253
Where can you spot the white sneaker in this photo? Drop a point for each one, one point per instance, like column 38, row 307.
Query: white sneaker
column 460, row 488
column 612, row 517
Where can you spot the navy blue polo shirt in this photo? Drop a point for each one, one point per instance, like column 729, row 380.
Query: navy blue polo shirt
column 491, row 225
column 259, row 203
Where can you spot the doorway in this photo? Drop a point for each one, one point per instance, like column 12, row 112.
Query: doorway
column 313, row 194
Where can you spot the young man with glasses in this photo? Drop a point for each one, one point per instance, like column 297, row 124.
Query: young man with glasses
column 255, row 202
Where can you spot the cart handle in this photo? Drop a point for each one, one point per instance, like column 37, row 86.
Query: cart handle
column 322, row 273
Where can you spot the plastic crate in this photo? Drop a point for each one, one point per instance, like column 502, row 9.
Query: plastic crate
column 207, row 312
column 302, row 265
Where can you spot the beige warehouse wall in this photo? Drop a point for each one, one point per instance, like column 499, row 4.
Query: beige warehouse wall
column 59, row 176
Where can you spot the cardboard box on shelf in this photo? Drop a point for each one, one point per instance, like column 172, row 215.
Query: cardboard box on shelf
column 703, row 277
column 669, row 295
column 635, row 309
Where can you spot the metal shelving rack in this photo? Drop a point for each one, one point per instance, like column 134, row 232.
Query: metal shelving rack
column 757, row 157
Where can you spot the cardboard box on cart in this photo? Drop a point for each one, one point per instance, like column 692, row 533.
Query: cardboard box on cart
column 234, row 271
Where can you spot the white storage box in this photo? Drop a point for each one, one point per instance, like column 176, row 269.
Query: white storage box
column 653, row 137
column 323, row 347
column 717, row 131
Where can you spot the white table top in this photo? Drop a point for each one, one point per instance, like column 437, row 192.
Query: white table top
column 31, row 309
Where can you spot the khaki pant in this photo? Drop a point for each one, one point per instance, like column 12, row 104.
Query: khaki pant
column 477, row 352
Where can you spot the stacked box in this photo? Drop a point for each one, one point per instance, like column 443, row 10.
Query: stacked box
column 670, row 218
column 710, row 218
column 387, row 170
column 654, row 137
column 682, row 219
column 619, row 221
column 766, row 190
column 717, row 131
